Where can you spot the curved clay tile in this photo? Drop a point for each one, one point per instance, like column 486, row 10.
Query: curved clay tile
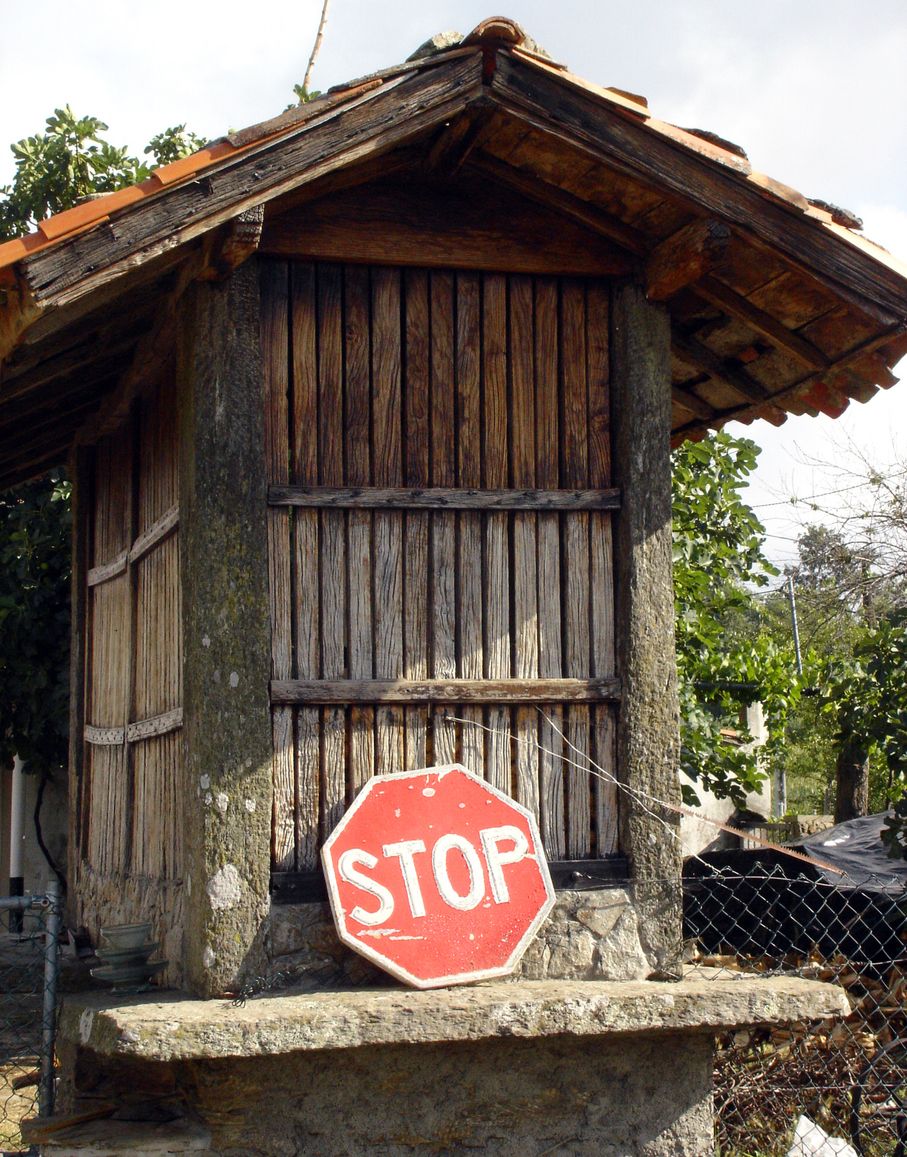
column 497, row 31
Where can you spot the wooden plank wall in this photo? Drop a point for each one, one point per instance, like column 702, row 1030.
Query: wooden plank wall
column 388, row 377
column 130, row 827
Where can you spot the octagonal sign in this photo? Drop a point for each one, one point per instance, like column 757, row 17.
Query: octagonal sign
column 437, row 877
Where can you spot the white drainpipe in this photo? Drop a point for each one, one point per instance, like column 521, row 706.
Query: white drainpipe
column 17, row 829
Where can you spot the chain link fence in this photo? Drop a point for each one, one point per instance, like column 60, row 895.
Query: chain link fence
column 30, row 928
column 788, row 1090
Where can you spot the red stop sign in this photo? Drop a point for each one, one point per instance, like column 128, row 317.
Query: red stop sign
column 437, row 877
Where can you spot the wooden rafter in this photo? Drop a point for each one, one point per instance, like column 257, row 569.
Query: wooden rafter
column 694, row 404
column 552, row 197
column 699, row 355
column 564, row 111
column 685, row 257
column 869, row 347
column 457, row 141
column 725, row 298
column 374, row 123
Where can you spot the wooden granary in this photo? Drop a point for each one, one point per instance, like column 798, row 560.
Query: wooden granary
column 368, row 410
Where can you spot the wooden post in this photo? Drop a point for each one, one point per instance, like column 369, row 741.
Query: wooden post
column 648, row 733
column 226, row 630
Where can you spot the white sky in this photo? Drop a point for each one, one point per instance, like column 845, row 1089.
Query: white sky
column 815, row 90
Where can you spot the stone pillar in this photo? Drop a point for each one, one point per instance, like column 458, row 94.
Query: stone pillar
column 648, row 740
column 226, row 629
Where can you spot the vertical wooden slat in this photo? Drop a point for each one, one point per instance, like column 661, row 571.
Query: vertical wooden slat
column 525, row 537
column 605, row 797
column 387, row 470
column 575, row 473
column 359, row 473
column 496, row 650
column 80, row 628
column 132, row 472
column 551, row 768
column 275, row 362
column 306, row 588
column 470, row 662
column 110, row 657
column 334, row 614
column 416, row 523
column 443, row 525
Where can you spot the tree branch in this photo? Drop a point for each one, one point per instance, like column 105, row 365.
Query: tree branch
column 319, row 36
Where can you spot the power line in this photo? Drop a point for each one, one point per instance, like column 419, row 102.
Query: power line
column 795, row 501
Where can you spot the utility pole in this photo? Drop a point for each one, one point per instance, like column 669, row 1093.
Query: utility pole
column 782, row 774
column 793, row 619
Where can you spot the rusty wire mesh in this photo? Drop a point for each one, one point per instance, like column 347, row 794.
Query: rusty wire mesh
column 848, row 1077
column 28, row 965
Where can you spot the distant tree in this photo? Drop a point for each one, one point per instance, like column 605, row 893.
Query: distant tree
column 34, row 623
column 726, row 658
column 172, row 144
column 71, row 160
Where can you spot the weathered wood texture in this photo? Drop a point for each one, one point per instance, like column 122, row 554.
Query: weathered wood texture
column 225, row 801
column 648, row 732
column 473, row 224
column 128, row 769
column 441, row 498
column 439, row 463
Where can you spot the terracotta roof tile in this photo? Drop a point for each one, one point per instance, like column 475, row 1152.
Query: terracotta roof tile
column 19, row 247
column 70, row 220
column 699, row 144
column 189, row 166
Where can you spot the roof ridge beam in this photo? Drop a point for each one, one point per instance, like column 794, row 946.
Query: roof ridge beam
column 377, row 122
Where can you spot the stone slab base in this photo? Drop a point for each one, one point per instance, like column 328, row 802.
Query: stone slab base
column 630, row 1097
column 181, row 1028
column 138, row 1139
column 610, row 1068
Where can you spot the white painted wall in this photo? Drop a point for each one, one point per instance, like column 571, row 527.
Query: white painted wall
column 698, row 835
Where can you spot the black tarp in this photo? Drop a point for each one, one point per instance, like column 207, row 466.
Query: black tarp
column 763, row 903
column 856, row 848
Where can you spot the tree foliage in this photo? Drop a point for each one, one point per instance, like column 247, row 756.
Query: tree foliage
column 34, row 623
column 725, row 656
column 72, row 160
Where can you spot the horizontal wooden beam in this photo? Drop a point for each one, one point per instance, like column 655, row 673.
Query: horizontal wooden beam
column 108, row 570
column 309, row 691
column 155, row 725
column 441, row 498
column 160, row 529
column 686, row 257
column 566, row 875
column 472, row 223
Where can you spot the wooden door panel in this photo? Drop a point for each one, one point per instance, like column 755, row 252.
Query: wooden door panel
column 462, row 422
